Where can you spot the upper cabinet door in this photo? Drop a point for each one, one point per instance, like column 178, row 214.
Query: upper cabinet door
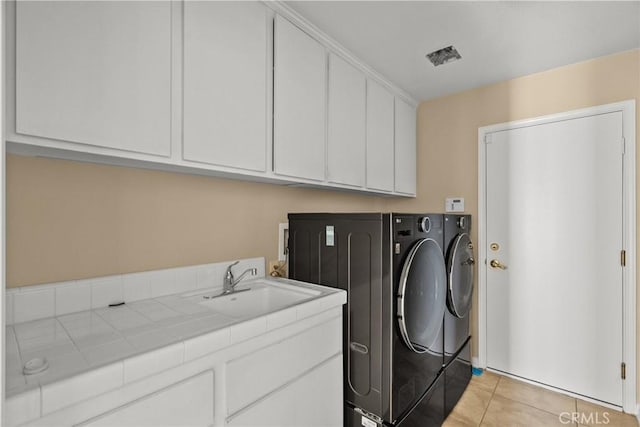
column 95, row 72
column 347, row 115
column 300, row 87
column 405, row 148
column 380, row 136
column 225, row 84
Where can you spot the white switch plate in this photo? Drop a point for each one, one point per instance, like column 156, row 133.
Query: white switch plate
column 283, row 237
column 454, row 204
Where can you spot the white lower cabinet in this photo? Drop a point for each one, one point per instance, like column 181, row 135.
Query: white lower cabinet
column 290, row 376
column 188, row 403
column 296, row 382
column 312, row 400
column 257, row 374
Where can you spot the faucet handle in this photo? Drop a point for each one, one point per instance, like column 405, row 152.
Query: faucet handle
column 229, row 274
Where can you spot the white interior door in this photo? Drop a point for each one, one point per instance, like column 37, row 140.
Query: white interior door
column 554, row 221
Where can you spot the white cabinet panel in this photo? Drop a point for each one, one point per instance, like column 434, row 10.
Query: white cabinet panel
column 312, row 400
column 299, row 103
column 225, row 84
column 189, row 403
column 405, row 148
column 380, row 153
column 96, row 73
column 319, row 399
column 346, row 123
column 254, row 376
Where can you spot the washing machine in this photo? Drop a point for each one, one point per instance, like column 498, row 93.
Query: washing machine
column 460, row 261
column 393, row 269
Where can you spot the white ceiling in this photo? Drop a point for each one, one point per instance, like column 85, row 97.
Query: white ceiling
column 497, row 40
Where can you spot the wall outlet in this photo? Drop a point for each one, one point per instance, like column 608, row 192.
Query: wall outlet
column 283, row 241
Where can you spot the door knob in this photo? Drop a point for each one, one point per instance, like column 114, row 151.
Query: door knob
column 496, row 264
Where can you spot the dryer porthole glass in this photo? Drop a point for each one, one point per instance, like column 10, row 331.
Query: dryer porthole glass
column 460, row 268
column 422, row 295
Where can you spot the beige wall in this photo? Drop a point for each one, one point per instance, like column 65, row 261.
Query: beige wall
column 448, row 127
column 68, row 220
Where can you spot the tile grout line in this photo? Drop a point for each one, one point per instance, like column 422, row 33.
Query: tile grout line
column 530, row 406
column 490, row 399
column 575, row 402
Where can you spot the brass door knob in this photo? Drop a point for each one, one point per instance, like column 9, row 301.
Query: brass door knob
column 496, row 264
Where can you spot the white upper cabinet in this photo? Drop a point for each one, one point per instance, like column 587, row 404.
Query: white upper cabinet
column 300, row 86
column 225, row 84
column 346, row 123
column 405, row 148
column 379, row 137
column 226, row 88
column 95, row 73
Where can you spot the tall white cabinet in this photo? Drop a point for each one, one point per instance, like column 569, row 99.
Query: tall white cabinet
column 405, row 148
column 299, row 108
column 225, row 84
column 380, row 136
column 346, row 123
column 95, row 73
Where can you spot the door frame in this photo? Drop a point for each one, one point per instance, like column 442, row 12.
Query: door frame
column 628, row 109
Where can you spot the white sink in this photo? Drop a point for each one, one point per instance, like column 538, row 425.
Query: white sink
column 258, row 300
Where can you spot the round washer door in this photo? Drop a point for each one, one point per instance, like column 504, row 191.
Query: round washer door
column 460, row 269
column 422, row 295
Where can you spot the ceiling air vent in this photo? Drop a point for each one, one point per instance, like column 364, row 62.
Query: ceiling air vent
column 443, row 56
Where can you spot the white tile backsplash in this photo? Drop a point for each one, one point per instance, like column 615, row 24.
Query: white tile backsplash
column 136, row 287
column 72, row 297
column 106, row 291
column 163, row 282
column 210, row 275
column 31, row 305
column 186, row 278
column 56, row 299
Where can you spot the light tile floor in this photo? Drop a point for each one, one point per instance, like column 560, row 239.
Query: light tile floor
column 495, row 400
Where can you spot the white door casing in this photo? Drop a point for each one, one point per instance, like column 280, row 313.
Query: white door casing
column 553, row 243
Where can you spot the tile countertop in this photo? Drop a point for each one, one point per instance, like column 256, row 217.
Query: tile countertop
column 140, row 338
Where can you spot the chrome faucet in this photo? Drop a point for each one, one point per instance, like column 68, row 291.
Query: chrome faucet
column 230, row 281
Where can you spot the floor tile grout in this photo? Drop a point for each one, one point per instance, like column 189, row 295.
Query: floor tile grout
column 542, row 391
column 490, row 399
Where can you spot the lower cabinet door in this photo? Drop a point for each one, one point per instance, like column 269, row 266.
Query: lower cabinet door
column 187, row 403
column 314, row 399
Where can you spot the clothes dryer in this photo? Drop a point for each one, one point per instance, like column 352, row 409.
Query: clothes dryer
column 457, row 338
column 392, row 267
